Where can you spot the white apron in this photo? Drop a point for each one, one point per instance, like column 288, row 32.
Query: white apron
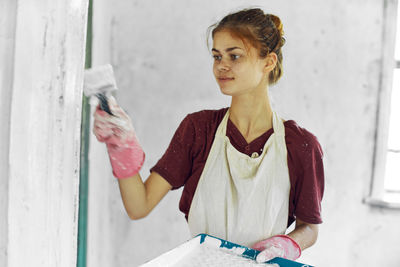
column 240, row 198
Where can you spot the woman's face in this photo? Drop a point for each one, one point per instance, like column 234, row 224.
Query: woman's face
column 237, row 69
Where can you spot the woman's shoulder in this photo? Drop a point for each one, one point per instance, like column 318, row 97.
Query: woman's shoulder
column 207, row 116
column 299, row 138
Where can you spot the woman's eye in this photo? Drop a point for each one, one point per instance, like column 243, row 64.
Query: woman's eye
column 217, row 57
column 233, row 57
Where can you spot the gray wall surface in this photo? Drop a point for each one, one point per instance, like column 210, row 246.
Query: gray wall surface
column 330, row 86
column 42, row 53
column 8, row 10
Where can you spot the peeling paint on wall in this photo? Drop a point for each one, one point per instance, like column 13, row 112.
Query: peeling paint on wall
column 45, row 133
column 7, row 34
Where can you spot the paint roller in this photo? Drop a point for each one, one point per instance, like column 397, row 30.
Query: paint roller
column 99, row 81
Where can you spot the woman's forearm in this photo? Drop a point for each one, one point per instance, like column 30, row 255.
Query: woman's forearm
column 133, row 194
column 140, row 198
column 304, row 234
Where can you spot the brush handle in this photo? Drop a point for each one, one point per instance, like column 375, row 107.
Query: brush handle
column 104, row 103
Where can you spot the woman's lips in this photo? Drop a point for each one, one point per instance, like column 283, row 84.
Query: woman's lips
column 225, row 79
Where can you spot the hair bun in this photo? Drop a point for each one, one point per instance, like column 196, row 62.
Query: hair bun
column 278, row 23
column 279, row 26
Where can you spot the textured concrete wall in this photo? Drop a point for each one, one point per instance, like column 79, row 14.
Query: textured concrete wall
column 8, row 10
column 330, row 86
column 43, row 126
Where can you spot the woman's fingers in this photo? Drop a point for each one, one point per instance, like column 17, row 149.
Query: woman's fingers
column 114, row 129
column 104, row 130
column 102, row 133
column 269, row 254
column 120, row 119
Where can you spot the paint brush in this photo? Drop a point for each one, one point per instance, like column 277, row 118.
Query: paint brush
column 100, row 82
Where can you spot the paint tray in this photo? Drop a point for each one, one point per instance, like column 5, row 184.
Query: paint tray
column 205, row 250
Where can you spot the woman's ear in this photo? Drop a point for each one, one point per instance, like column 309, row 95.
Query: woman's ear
column 270, row 62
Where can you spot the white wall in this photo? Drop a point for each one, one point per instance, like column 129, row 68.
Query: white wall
column 7, row 37
column 330, row 86
column 42, row 52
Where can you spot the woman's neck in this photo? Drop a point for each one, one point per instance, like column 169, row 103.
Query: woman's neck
column 251, row 114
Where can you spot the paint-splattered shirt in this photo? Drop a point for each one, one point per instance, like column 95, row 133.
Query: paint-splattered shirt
column 184, row 160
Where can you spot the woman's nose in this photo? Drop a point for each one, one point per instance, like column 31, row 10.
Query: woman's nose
column 223, row 65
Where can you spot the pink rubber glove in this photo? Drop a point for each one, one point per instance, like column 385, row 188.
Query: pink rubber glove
column 277, row 246
column 125, row 153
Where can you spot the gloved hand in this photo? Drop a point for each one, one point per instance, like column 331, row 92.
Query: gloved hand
column 125, row 153
column 277, row 246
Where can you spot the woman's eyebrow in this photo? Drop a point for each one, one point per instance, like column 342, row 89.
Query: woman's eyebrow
column 227, row 50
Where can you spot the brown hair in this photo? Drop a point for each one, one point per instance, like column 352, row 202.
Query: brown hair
column 262, row 31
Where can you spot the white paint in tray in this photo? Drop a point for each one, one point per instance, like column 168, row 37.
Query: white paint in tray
column 216, row 257
column 209, row 253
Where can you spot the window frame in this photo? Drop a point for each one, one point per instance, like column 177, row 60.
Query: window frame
column 378, row 196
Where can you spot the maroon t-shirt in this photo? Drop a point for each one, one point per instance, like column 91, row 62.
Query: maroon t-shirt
column 184, row 160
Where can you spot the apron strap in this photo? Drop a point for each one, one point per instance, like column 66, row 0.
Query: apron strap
column 279, row 128
column 221, row 131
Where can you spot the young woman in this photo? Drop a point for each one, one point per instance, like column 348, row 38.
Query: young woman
column 247, row 174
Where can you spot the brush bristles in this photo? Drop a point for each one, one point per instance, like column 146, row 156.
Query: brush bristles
column 99, row 79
